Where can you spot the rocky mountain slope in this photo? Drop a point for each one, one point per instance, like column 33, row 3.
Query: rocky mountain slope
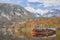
column 10, row 14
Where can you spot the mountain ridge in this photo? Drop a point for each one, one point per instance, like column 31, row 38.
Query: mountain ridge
column 10, row 14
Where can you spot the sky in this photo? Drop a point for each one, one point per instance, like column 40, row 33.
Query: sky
column 36, row 6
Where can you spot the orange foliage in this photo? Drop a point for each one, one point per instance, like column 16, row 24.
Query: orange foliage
column 30, row 25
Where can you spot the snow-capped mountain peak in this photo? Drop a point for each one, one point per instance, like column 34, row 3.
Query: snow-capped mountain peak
column 52, row 13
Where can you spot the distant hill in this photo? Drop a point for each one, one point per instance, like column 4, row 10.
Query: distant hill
column 52, row 13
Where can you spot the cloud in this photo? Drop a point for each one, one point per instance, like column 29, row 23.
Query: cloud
column 11, row 1
column 5, row 0
column 42, row 11
column 30, row 9
column 47, row 3
column 32, row 0
column 36, row 10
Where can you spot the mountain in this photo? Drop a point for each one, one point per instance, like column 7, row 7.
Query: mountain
column 52, row 13
column 10, row 14
column 37, row 14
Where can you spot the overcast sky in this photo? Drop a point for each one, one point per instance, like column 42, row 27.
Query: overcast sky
column 36, row 6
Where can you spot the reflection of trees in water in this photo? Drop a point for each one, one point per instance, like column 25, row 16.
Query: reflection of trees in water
column 58, row 34
column 58, row 37
column 8, row 37
column 5, row 37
